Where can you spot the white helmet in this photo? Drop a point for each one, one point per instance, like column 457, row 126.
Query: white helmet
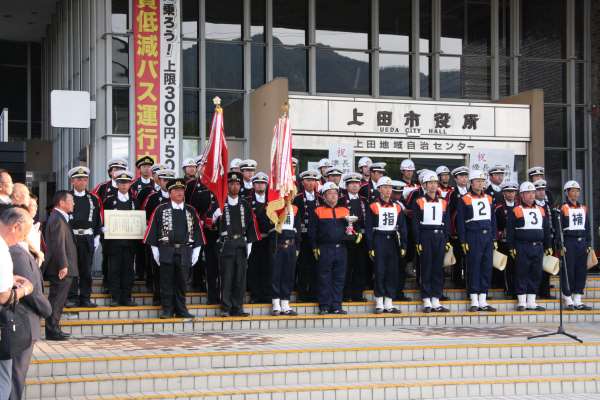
column 328, row 186
column 476, row 174
column 442, row 169
column 526, row 187
column 364, row 162
column 429, row 176
column 407, row 165
column 571, row 185
column 384, row 181
column 235, row 163
column 324, row 162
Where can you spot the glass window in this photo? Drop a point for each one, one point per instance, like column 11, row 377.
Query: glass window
column 290, row 19
column 465, row 27
column 504, row 76
column 425, row 26
column 233, row 112
column 191, row 109
column 224, row 20
column 36, row 97
column 395, row 25
column 580, row 127
column 191, row 148
column 425, row 76
column 543, row 37
column 342, row 71
column 579, row 79
column 394, row 74
column 475, row 77
column 120, row 16
column 17, row 130
column 504, row 27
column 257, row 19
column 343, row 24
column 190, row 16
column 291, row 62
column 120, row 59
column 549, row 76
column 450, row 77
column 556, row 171
column 190, row 63
column 580, row 17
column 120, row 110
column 36, row 54
column 555, row 126
column 13, row 95
column 224, row 65
column 258, row 65
column 13, row 53
column 119, row 147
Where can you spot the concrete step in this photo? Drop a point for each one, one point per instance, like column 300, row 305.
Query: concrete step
column 103, row 327
column 322, row 374
column 201, row 310
column 85, row 357
column 389, row 390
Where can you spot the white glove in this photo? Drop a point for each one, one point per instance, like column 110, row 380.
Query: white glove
column 103, row 229
column 217, row 214
column 248, row 249
column 156, row 254
column 96, row 242
column 195, row 255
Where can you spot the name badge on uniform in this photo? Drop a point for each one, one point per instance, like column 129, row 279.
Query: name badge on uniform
column 576, row 219
column 388, row 217
column 532, row 218
column 288, row 224
column 432, row 213
column 481, row 209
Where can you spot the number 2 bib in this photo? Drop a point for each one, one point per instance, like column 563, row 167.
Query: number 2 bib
column 481, row 209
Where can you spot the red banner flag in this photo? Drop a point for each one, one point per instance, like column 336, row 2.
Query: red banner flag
column 216, row 156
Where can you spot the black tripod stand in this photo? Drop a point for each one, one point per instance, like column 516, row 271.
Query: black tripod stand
column 563, row 271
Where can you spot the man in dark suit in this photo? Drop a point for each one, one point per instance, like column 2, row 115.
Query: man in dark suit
column 36, row 306
column 61, row 260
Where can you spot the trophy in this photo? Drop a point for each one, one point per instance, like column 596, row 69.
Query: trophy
column 350, row 228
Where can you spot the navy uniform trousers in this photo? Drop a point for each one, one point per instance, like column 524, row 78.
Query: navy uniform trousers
column 479, row 260
column 432, row 263
column 528, row 266
column 387, row 253
column 576, row 265
column 331, row 269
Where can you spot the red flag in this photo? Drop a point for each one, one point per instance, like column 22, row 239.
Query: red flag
column 216, row 157
column 282, row 187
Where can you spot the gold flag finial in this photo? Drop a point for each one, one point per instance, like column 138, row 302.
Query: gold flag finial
column 285, row 108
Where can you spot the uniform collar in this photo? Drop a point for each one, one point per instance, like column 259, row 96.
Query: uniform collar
column 164, row 195
column 123, row 197
column 353, row 196
column 79, row 194
column 310, row 196
column 261, row 198
column 462, row 189
column 145, row 181
column 233, row 201
column 177, row 206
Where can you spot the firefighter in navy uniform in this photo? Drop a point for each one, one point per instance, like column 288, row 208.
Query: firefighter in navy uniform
column 386, row 234
column 540, row 200
column 496, row 177
column 397, row 192
column 407, row 172
column 430, row 227
column 86, row 222
column 146, row 191
column 443, row 174
column 369, row 190
column 175, row 236
column 152, row 201
column 328, row 232
column 306, row 201
column 103, row 190
column 528, row 238
column 120, row 252
column 537, row 173
column 189, row 168
column 577, row 236
column 237, row 231
column 144, row 165
column 461, row 179
column 259, row 263
column 323, row 165
column 364, row 167
column 284, row 250
column 502, row 209
column 356, row 269
column 248, row 169
column 476, row 227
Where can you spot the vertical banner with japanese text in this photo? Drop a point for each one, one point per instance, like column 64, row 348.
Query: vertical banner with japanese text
column 170, row 75
column 146, row 35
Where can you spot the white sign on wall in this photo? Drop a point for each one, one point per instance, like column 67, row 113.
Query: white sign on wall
column 342, row 157
column 70, row 109
column 170, row 82
column 484, row 159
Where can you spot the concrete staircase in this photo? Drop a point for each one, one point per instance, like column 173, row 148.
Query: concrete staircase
column 127, row 352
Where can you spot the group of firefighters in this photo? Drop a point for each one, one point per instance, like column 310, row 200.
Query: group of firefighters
column 342, row 234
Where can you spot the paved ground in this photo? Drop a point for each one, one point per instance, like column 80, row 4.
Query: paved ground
column 298, row 339
column 585, row 396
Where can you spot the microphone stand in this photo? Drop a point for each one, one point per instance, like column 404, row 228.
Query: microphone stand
column 563, row 271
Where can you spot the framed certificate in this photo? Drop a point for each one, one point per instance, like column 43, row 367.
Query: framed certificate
column 124, row 224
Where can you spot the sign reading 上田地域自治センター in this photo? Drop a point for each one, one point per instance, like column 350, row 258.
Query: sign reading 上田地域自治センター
column 157, row 79
column 124, row 224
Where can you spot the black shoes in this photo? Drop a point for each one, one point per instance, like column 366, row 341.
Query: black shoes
column 441, row 309
column 339, row 312
column 583, row 307
column 57, row 336
column 520, row 308
column 87, row 304
column 323, row 311
column 72, row 304
column 164, row 314
column 426, row 310
column 488, row 308
column 114, row 303
column 186, row 315
column 129, row 303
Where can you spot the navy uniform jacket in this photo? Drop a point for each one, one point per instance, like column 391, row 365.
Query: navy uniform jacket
column 436, row 209
column 372, row 222
column 470, row 218
column 496, row 193
column 368, row 191
column 328, row 226
column 138, row 185
column 204, row 202
column 358, row 207
column 152, row 201
column 87, row 213
column 163, row 232
column 260, row 211
column 306, row 209
column 248, row 228
column 575, row 221
column 502, row 210
column 524, row 225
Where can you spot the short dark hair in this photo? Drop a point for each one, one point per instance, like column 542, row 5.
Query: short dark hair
column 59, row 196
column 12, row 215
